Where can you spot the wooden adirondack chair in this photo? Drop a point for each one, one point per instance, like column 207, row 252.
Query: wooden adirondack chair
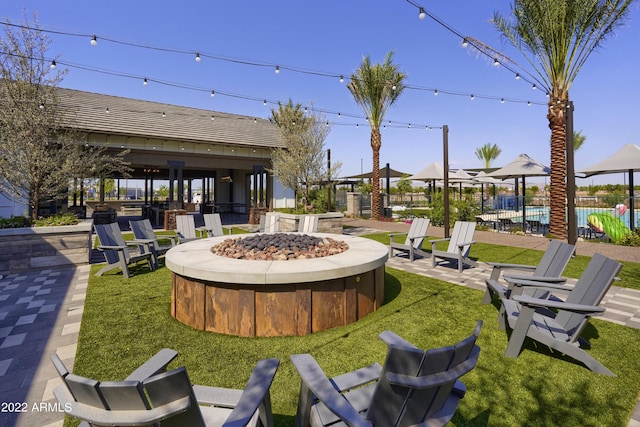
column 269, row 223
column 459, row 245
column 143, row 230
column 168, row 399
column 308, row 224
column 414, row 387
column 186, row 228
column 551, row 266
column 560, row 329
column 413, row 243
column 116, row 250
column 212, row 225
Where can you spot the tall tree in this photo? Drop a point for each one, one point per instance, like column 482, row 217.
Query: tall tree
column 301, row 162
column 39, row 152
column 488, row 153
column 556, row 37
column 375, row 87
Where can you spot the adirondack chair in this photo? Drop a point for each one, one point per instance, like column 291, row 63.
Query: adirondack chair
column 157, row 364
column 459, row 245
column 308, row 224
column 212, row 225
column 413, row 243
column 414, row 387
column 560, row 329
column 186, row 228
column 168, row 399
column 269, row 223
column 116, row 250
column 143, row 230
column 551, row 266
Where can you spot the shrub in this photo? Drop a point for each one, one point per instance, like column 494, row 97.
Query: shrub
column 65, row 218
column 13, row 222
column 632, row 239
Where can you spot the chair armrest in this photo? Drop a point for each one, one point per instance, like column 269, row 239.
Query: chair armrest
column 114, row 248
column 542, row 285
column 139, row 242
column 393, row 340
column 417, row 237
column 439, row 378
column 549, row 279
column 440, row 240
column 158, row 363
column 318, row 383
column 255, row 392
column 98, row 416
column 577, row 308
column 460, row 245
column 507, row 266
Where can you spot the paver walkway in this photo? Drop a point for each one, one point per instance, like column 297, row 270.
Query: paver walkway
column 41, row 312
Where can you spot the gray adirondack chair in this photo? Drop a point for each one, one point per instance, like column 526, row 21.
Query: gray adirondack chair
column 157, row 364
column 116, row 250
column 168, row 399
column 459, row 245
column 414, row 387
column 212, row 225
column 413, row 242
column 560, row 329
column 186, row 228
column 269, row 223
column 551, row 266
column 143, row 230
column 308, row 224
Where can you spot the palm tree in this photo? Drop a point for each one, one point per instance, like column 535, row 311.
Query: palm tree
column 578, row 140
column 375, row 88
column 556, row 37
column 488, row 153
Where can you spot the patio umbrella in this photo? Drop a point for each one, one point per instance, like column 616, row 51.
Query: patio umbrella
column 483, row 179
column 462, row 177
column 521, row 167
column 434, row 172
column 627, row 159
column 383, row 172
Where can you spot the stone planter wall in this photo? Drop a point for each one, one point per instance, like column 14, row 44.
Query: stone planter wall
column 330, row 222
column 41, row 247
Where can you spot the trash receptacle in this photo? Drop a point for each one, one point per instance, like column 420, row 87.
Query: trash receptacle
column 387, row 212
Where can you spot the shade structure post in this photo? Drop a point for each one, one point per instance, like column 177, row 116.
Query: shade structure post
column 632, row 218
column 572, row 234
column 445, row 159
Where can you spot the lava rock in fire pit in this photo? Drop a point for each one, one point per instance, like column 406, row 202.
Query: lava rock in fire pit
column 279, row 246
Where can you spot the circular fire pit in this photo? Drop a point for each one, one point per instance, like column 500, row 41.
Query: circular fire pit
column 277, row 297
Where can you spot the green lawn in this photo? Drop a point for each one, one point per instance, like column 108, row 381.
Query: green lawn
column 127, row 321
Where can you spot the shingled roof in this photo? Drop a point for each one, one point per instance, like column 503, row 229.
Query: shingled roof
column 107, row 114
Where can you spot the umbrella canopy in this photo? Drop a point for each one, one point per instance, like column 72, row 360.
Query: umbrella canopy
column 383, row 173
column 482, row 178
column 432, row 172
column 627, row 159
column 522, row 166
column 460, row 176
column 624, row 160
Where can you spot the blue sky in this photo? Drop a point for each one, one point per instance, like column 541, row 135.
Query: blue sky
column 331, row 37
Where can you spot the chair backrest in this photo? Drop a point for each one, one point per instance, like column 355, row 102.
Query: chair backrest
column 462, row 232
column 417, row 231
column 593, row 284
column 186, row 226
column 404, row 395
column 213, row 224
column 110, row 235
column 555, row 259
column 269, row 223
column 170, row 386
column 308, row 224
column 142, row 229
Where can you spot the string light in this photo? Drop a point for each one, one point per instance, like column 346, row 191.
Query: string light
column 145, row 82
column 107, row 111
column 465, row 42
column 534, row 87
column 435, row 92
column 341, row 78
column 53, row 64
column 472, row 97
column 213, row 93
column 197, row 57
column 496, row 63
column 517, row 76
column 94, row 41
column 422, row 13
column 277, row 69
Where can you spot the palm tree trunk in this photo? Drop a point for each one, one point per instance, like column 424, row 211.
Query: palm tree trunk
column 376, row 143
column 558, row 185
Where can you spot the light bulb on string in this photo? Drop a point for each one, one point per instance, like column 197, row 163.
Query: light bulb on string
column 145, row 81
column 534, row 87
column 529, row 103
column 53, row 64
column 197, row 57
column 496, row 62
column 277, row 69
column 94, row 41
column 472, row 97
column 264, row 102
column 422, row 13
column 465, row 42
column 517, row 76
column 502, row 100
column 435, row 92
column 341, row 79
column 213, row 93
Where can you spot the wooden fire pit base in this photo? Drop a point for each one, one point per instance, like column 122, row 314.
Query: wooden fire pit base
column 276, row 310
